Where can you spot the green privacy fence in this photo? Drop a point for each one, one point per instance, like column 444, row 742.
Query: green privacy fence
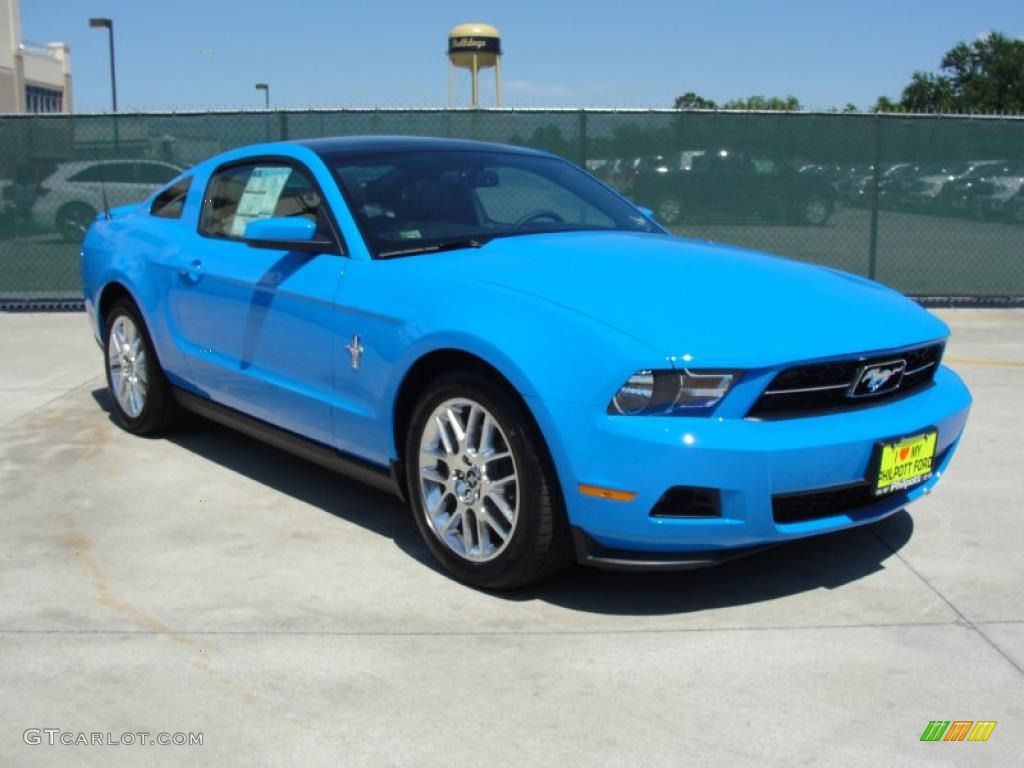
column 931, row 205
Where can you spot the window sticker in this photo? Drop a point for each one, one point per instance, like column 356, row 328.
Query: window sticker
column 260, row 196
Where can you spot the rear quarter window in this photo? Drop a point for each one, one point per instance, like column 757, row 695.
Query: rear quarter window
column 170, row 203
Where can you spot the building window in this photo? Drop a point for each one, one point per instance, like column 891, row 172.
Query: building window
column 43, row 99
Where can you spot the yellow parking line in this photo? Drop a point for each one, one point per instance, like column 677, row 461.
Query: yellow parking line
column 972, row 361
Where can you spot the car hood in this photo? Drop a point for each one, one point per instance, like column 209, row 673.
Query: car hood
column 698, row 303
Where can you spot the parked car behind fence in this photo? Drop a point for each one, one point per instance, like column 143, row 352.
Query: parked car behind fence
column 697, row 185
column 70, row 197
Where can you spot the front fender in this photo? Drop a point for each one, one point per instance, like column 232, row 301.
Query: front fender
column 544, row 350
column 118, row 251
column 547, row 352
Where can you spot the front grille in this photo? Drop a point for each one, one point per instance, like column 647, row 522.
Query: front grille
column 815, row 505
column 800, row 507
column 805, row 390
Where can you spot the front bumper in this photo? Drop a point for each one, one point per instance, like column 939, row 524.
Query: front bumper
column 591, row 552
column 747, row 461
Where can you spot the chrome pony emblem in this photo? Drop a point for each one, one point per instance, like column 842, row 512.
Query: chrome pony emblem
column 878, row 379
column 355, row 350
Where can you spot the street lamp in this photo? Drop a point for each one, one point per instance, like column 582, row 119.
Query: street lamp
column 108, row 24
column 266, row 94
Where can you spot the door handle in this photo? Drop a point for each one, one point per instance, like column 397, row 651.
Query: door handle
column 193, row 273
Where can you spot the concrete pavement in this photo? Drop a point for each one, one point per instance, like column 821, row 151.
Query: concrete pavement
column 208, row 583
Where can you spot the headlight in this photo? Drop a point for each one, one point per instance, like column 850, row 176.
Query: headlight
column 672, row 392
column 635, row 395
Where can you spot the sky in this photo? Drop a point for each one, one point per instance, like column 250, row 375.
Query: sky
column 202, row 54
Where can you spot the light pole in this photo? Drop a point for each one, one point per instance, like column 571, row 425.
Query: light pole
column 108, row 24
column 266, row 94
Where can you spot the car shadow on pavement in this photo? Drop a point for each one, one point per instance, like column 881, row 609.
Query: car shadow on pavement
column 821, row 562
column 298, row 478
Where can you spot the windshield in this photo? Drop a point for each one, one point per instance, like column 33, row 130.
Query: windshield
column 420, row 201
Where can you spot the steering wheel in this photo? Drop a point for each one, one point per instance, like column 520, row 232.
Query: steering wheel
column 537, row 216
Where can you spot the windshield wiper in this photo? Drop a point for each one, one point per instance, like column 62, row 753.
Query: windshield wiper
column 450, row 245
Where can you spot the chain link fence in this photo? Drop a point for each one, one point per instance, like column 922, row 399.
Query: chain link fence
column 931, row 205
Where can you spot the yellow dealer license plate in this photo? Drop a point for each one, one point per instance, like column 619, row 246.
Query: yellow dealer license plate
column 905, row 462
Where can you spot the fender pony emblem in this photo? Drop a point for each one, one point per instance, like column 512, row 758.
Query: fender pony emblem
column 355, row 350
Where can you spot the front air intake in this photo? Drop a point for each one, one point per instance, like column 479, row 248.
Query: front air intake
column 688, row 501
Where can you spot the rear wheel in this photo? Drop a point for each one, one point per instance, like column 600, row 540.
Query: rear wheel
column 815, row 210
column 73, row 220
column 669, row 210
column 141, row 397
column 482, row 491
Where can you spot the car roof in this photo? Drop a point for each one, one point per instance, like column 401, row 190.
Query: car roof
column 359, row 145
column 81, row 165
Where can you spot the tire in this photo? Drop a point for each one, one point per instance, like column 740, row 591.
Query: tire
column 815, row 211
column 73, row 219
column 470, row 531
column 669, row 210
column 140, row 395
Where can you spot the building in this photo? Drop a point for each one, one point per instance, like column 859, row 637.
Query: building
column 33, row 77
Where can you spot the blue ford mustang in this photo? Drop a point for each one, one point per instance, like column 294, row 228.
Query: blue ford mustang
column 527, row 358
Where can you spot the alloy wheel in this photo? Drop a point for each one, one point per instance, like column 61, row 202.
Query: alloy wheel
column 670, row 210
column 468, row 480
column 126, row 359
column 815, row 211
column 74, row 220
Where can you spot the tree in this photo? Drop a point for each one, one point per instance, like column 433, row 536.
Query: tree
column 788, row 103
column 550, row 138
column 928, row 92
column 985, row 75
column 885, row 104
column 691, row 100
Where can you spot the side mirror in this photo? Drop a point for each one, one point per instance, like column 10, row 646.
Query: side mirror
column 645, row 211
column 287, row 233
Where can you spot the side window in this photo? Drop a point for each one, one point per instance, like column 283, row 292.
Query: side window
column 98, row 172
column 521, row 193
column 244, row 193
column 170, row 203
column 118, row 173
column 156, row 173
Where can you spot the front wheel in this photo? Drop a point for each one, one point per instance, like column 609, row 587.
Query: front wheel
column 484, row 496
column 1017, row 212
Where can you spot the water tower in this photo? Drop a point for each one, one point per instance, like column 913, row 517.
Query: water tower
column 474, row 47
